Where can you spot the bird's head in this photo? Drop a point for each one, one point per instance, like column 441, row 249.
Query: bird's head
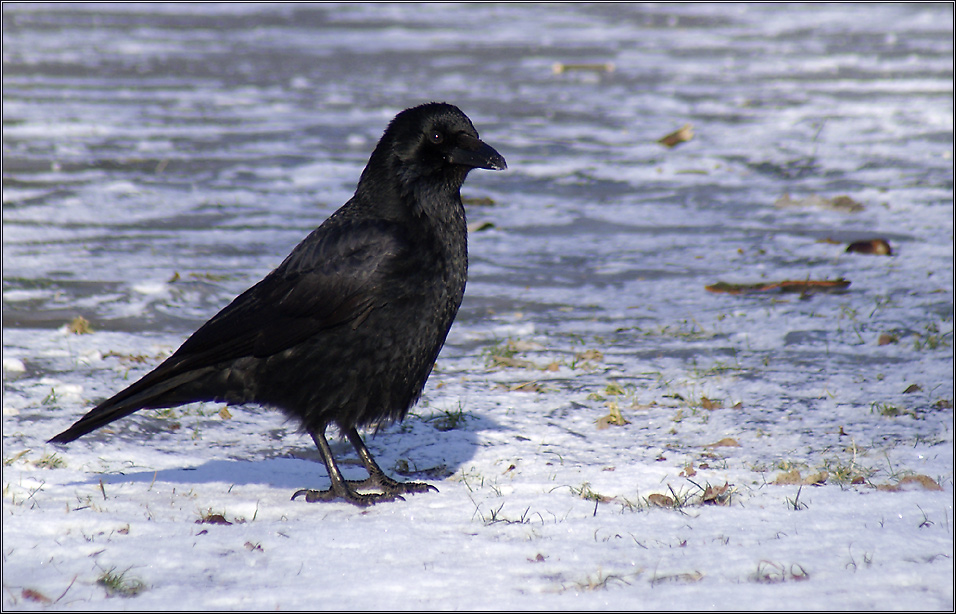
column 434, row 140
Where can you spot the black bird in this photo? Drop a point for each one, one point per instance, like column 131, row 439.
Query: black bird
column 347, row 329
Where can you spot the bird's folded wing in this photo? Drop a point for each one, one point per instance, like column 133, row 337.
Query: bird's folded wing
column 330, row 279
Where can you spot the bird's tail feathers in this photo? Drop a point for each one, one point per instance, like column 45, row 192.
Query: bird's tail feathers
column 144, row 394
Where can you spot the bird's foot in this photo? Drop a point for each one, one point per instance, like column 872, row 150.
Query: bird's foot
column 346, row 494
column 387, row 485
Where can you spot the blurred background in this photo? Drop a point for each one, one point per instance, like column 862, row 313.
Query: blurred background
column 159, row 159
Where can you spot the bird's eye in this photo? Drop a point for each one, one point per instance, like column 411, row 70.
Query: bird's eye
column 436, row 137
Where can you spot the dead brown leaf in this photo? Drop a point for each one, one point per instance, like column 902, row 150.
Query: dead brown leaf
column 525, row 387
column 511, row 362
column 717, row 495
column 213, row 519
column 837, row 203
column 681, row 135
column 912, row 482
column 726, row 442
column 561, row 67
column 590, row 355
column 803, row 287
column 614, row 417
column 660, row 500
column 788, row 478
column 34, row 595
column 479, row 226
column 873, row 247
column 80, row 326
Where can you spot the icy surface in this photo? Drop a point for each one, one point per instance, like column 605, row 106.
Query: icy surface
column 159, row 159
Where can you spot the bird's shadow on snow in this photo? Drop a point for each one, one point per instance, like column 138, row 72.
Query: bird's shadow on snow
column 420, row 449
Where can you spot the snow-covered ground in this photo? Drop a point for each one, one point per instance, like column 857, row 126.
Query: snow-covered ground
column 604, row 432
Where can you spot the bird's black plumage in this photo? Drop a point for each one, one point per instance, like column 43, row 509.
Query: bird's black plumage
column 346, row 330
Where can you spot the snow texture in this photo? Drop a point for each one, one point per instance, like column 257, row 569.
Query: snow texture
column 604, row 432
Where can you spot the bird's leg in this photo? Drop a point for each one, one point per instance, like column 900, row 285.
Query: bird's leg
column 340, row 488
column 376, row 477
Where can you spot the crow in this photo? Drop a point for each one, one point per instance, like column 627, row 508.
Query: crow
column 347, row 328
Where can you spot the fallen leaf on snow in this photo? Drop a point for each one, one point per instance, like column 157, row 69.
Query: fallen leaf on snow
column 479, row 226
column 788, row 478
column 510, row 361
column 80, row 326
column 717, row 495
column 614, row 418
column 837, row 203
column 804, row 287
column 873, row 247
column 688, row 471
column 531, row 386
column 681, row 135
column 590, row 355
column 33, row 595
column 213, row 519
column 660, row 500
column 912, row 482
column 726, row 442
column 560, row 67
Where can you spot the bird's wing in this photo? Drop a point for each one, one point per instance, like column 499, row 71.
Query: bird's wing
column 332, row 278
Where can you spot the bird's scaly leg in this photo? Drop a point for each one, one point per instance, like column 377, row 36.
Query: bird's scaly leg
column 340, row 488
column 376, row 477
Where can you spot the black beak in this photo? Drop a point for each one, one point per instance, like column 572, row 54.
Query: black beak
column 474, row 153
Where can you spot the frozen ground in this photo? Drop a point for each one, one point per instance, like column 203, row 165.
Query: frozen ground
column 772, row 451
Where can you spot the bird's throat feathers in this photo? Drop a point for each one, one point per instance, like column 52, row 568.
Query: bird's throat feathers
column 435, row 195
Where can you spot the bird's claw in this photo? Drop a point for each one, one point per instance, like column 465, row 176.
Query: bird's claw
column 355, row 498
column 414, row 487
column 392, row 487
column 392, row 490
